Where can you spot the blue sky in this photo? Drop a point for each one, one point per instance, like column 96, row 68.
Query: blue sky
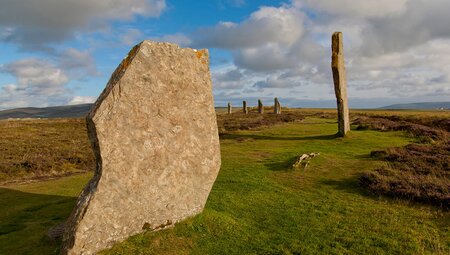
column 57, row 52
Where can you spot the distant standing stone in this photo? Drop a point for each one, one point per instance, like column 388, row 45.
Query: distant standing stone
column 276, row 106
column 155, row 138
column 244, row 107
column 260, row 107
column 229, row 108
column 340, row 83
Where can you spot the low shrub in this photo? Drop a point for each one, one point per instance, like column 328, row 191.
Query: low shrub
column 419, row 172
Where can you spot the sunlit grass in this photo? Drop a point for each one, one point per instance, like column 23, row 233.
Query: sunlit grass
column 259, row 205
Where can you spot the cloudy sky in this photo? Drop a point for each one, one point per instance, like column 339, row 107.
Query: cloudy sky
column 58, row 52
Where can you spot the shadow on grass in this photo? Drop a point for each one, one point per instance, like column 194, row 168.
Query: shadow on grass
column 285, row 165
column 317, row 123
column 366, row 156
column 25, row 219
column 228, row 136
column 349, row 185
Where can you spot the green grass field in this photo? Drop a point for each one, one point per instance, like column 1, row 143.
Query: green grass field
column 259, row 205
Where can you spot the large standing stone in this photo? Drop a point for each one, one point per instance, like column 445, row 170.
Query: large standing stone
column 340, row 83
column 155, row 138
column 230, row 109
column 260, row 107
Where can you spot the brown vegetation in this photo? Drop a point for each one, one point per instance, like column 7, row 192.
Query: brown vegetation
column 42, row 148
column 252, row 120
column 423, row 132
column 418, row 172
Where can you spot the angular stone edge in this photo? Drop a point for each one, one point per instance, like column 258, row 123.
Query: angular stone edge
column 86, row 195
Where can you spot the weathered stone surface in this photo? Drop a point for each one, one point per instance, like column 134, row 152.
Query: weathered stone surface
column 340, row 83
column 260, row 107
column 276, row 106
column 156, row 142
column 244, row 107
column 230, row 109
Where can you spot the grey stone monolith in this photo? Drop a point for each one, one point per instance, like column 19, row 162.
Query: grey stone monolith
column 244, row 107
column 155, row 138
column 276, row 106
column 230, row 109
column 340, row 83
column 260, row 107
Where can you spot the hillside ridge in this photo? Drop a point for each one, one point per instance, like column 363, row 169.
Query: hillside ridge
column 66, row 111
column 418, row 106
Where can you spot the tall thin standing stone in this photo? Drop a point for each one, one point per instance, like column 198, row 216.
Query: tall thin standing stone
column 229, row 108
column 244, row 107
column 340, row 83
column 260, row 107
column 276, row 106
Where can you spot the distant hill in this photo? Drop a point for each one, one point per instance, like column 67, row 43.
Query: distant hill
column 81, row 110
column 67, row 111
column 425, row 106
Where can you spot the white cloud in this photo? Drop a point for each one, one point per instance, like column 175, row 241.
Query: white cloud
column 421, row 22
column 358, row 8
column 275, row 81
column 131, row 37
column 34, row 24
column 230, row 75
column 82, row 100
column 393, row 49
column 268, row 24
column 77, row 63
column 42, row 82
column 177, row 38
column 269, row 57
column 39, row 83
column 228, row 79
column 37, row 77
